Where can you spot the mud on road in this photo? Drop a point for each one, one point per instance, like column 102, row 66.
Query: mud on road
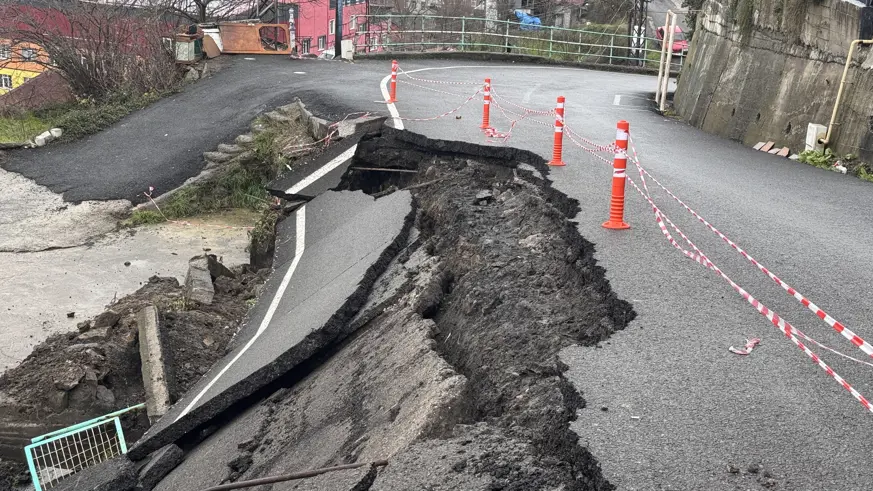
column 453, row 374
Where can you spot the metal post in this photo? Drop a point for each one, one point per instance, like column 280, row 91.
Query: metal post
column 580, row 43
column 611, row 45
column 422, row 33
column 506, row 38
column 463, row 31
column 551, row 39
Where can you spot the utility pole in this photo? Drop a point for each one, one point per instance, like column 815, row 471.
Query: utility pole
column 338, row 30
column 636, row 27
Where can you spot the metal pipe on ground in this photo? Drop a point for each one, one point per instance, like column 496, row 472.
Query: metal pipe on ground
column 295, row 476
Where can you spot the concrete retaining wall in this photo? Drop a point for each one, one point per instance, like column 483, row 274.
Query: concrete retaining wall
column 771, row 82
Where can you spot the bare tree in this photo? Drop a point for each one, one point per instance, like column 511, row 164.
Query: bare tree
column 99, row 48
column 201, row 11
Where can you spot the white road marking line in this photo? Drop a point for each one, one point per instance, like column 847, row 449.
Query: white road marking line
column 529, row 93
column 299, row 73
column 265, row 322
column 333, row 164
column 617, row 100
column 398, row 123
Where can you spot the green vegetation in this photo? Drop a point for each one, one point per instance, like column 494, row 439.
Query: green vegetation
column 238, row 185
column 19, row 129
column 864, row 174
column 823, row 159
column 77, row 119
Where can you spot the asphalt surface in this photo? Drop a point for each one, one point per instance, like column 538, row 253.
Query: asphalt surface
column 680, row 408
column 328, row 254
column 162, row 145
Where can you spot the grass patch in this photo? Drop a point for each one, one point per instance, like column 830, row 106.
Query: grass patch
column 239, row 184
column 821, row 159
column 77, row 119
column 17, row 129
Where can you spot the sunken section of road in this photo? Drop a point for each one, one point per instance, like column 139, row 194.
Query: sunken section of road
column 328, row 254
column 452, row 374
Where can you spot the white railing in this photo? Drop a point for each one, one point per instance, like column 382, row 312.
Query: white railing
column 596, row 44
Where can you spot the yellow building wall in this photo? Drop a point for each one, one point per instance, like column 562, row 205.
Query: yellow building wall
column 21, row 70
column 18, row 77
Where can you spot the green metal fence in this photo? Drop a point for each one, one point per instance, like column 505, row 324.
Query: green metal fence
column 57, row 455
column 605, row 44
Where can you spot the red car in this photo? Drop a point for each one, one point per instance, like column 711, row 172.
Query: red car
column 680, row 44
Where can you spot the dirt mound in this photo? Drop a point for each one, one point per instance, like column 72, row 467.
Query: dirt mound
column 77, row 376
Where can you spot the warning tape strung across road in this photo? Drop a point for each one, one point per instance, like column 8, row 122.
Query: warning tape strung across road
column 772, row 316
column 438, row 91
column 789, row 330
column 836, row 325
column 445, row 113
column 549, row 112
column 430, row 81
column 512, row 122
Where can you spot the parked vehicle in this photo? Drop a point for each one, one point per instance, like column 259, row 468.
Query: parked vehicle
column 680, row 43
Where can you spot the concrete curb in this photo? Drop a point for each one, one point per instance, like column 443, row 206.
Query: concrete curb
column 156, row 375
column 507, row 57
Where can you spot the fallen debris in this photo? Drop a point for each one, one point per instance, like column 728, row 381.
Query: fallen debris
column 77, row 376
column 156, row 375
column 157, row 466
column 749, row 346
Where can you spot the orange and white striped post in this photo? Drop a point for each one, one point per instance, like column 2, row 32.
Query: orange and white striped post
column 486, row 106
column 619, row 177
column 392, row 96
column 557, row 149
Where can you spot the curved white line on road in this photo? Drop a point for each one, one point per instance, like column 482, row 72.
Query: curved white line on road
column 300, row 215
column 395, row 114
column 398, row 123
column 321, row 172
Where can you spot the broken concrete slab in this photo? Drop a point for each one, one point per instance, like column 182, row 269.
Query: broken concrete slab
column 106, row 320
column 157, row 375
column 198, row 281
column 118, row 474
column 773, row 151
column 349, row 238
column 216, row 268
column 767, row 146
column 759, row 145
column 310, row 179
column 783, row 152
column 160, row 463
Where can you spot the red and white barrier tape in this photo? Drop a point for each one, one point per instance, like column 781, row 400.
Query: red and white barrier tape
column 789, row 330
column 549, row 112
column 438, row 91
column 440, row 82
column 445, row 113
column 747, row 348
column 836, row 325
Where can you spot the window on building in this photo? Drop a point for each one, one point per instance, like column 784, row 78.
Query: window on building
column 305, row 46
column 353, row 23
column 28, row 54
column 331, row 26
column 5, row 81
column 322, row 42
column 5, row 51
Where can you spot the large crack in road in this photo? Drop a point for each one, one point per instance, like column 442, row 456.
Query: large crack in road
column 452, row 373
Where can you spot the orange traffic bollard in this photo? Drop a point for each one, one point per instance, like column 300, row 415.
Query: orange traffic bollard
column 619, row 176
column 486, row 106
column 557, row 150
column 392, row 97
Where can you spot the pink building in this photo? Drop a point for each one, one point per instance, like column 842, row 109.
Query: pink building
column 314, row 24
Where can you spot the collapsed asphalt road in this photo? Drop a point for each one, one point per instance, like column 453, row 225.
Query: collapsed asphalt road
column 452, row 372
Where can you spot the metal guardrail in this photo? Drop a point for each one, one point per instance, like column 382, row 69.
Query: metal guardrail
column 389, row 32
column 57, row 455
